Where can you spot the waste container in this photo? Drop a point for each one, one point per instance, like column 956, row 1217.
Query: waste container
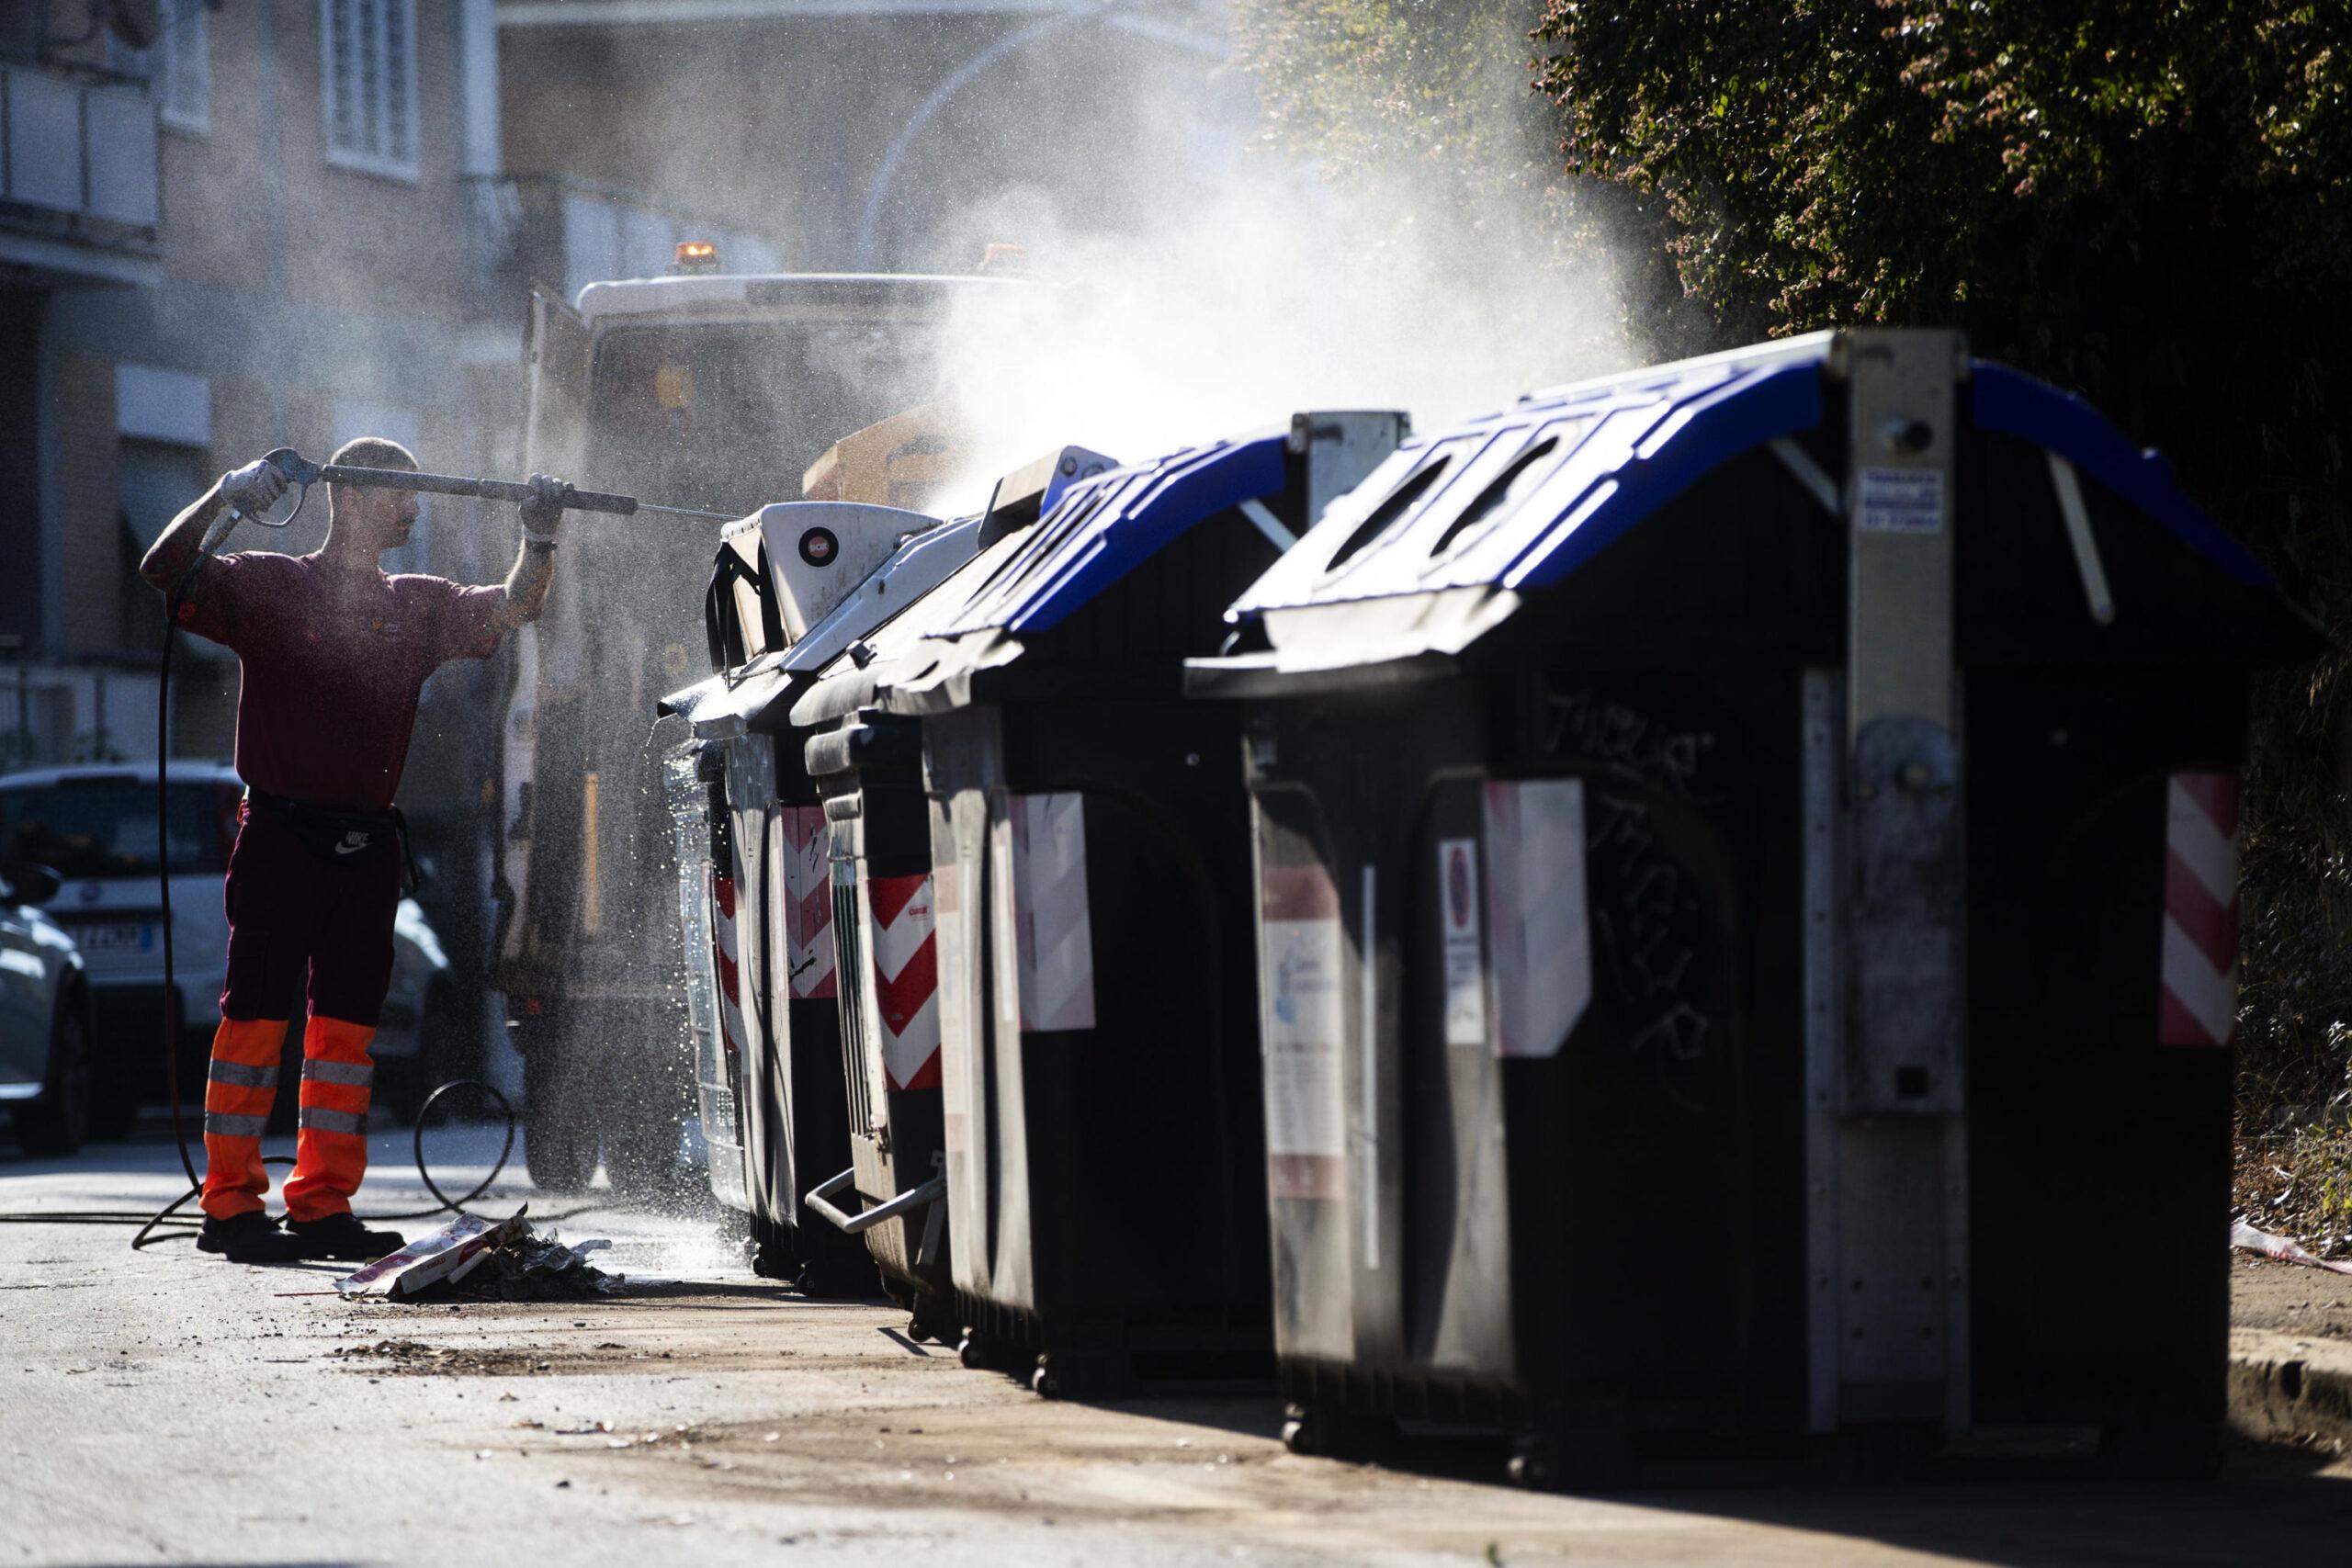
column 1090, row 868
column 771, row 628
column 1649, row 1052
column 868, row 764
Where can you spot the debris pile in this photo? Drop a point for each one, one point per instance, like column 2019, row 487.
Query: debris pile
column 533, row 1269
column 472, row 1259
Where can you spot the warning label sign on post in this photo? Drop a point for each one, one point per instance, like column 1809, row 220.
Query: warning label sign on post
column 1901, row 501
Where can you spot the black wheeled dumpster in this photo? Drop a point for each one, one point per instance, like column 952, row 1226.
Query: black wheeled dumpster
column 771, row 913
column 1090, row 857
column 1719, row 838
column 868, row 766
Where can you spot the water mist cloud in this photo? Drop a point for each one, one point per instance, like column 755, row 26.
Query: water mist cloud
column 1263, row 291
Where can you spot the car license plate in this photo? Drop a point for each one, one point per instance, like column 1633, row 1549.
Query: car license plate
column 116, row 936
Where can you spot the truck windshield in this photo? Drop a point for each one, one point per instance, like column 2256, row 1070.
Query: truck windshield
column 106, row 827
column 727, row 416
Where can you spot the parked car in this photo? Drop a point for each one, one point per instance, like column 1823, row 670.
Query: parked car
column 96, row 827
column 44, row 1018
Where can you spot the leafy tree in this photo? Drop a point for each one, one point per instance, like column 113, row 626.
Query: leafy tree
column 2144, row 200
column 2147, row 201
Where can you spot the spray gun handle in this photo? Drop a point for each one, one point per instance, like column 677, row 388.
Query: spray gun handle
column 296, row 469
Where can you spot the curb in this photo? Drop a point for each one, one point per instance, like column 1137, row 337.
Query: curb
column 2285, row 1389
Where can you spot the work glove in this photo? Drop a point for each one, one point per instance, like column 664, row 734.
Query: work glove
column 253, row 488
column 544, row 512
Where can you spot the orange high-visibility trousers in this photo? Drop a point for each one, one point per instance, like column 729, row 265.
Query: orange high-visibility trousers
column 289, row 910
column 331, row 1139
column 237, row 1096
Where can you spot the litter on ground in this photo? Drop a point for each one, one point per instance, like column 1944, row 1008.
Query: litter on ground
column 2243, row 1237
column 473, row 1258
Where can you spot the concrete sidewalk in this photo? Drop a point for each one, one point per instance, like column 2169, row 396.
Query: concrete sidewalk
column 2291, row 1354
column 165, row 1406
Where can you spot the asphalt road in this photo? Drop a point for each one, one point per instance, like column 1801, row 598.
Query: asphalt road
column 166, row 1406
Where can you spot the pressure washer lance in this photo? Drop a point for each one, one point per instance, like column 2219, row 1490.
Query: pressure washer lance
column 299, row 470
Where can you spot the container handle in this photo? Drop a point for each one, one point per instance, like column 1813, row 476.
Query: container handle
column 819, row 1198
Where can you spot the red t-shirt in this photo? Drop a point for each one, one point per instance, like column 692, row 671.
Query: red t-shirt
column 331, row 666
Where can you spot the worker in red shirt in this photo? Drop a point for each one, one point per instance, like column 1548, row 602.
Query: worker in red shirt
column 332, row 654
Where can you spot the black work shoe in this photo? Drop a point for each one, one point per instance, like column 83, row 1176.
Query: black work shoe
column 342, row 1238
column 249, row 1238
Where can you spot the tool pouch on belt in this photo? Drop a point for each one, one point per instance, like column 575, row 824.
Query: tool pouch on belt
column 335, row 833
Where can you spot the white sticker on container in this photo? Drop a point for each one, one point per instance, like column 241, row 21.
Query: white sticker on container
column 1902, row 501
column 1303, row 965
column 1465, row 979
column 1536, row 906
column 1053, row 932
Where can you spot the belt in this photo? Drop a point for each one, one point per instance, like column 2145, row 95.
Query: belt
column 339, row 832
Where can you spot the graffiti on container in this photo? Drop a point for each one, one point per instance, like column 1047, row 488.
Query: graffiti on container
column 1680, row 1033
column 1659, row 957
column 1624, row 740
column 1642, row 911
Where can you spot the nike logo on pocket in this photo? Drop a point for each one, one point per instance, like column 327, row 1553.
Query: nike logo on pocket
column 353, row 843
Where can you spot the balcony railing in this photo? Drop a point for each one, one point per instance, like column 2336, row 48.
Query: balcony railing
column 82, row 150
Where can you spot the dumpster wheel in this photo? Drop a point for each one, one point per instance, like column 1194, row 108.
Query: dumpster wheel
column 983, row 1352
column 1570, row 1461
column 932, row 1318
column 774, row 1255
column 1326, row 1433
column 1066, row 1374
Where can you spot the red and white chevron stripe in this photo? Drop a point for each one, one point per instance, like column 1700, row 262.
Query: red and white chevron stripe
column 807, row 902
column 723, row 958
column 2197, row 1003
column 906, row 979
column 1052, row 932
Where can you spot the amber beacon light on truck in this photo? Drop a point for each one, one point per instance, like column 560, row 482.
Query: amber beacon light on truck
column 694, row 257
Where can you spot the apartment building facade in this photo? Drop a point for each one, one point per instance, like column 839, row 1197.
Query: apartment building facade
column 281, row 260
column 877, row 135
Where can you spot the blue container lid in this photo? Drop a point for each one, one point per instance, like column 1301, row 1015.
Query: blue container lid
column 1521, row 499
column 1105, row 529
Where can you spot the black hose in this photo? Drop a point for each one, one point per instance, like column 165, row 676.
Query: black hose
column 445, row 1203
column 163, row 873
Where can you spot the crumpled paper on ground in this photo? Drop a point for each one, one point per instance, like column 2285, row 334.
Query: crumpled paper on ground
column 472, row 1259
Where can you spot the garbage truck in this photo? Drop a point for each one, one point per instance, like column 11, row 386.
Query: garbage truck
column 715, row 391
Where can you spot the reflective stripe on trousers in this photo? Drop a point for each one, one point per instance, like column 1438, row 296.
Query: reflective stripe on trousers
column 331, row 1139
column 237, row 1096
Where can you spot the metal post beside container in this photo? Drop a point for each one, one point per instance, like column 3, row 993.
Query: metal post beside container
column 1885, row 1090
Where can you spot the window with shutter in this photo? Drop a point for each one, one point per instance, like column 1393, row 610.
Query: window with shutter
column 177, row 67
column 368, row 65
